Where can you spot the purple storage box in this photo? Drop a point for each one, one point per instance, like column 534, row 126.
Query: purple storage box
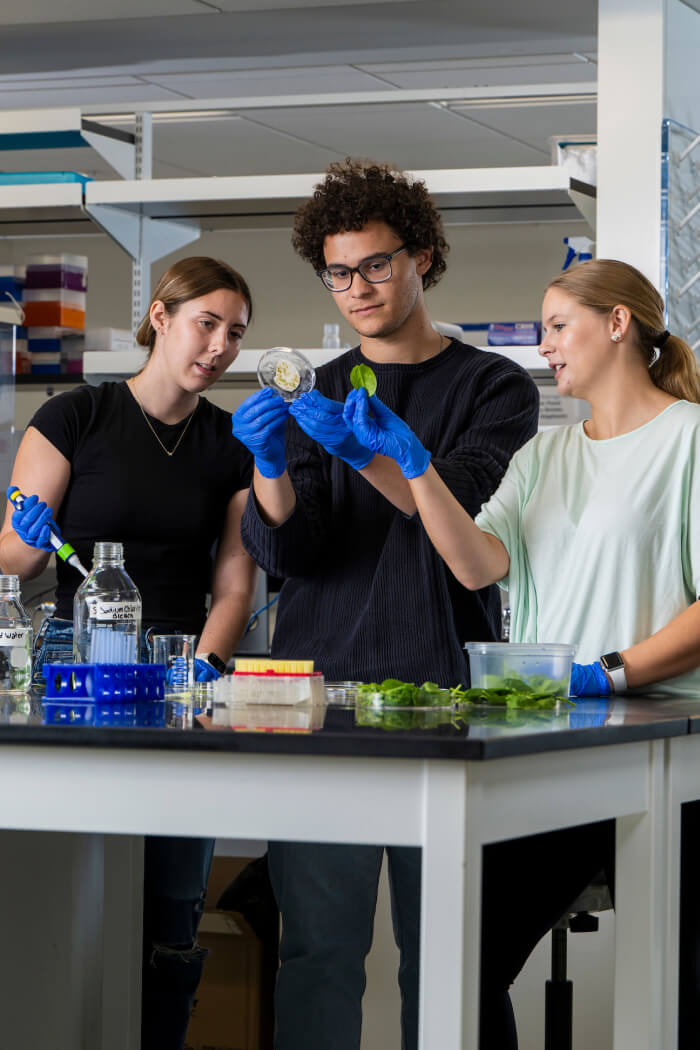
column 514, row 333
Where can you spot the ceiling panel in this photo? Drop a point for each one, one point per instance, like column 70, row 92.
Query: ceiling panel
column 15, row 12
column 248, row 83
column 39, row 95
column 485, row 75
column 233, row 147
column 411, row 136
column 536, row 123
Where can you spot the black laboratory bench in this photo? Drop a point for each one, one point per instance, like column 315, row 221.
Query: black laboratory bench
column 467, row 733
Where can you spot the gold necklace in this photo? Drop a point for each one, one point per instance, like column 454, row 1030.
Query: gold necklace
column 168, row 452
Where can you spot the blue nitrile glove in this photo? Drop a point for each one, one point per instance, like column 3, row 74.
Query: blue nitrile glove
column 376, row 427
column 589, row 680
column 203, row 671
column 322, row 419
column 33, row 523
column 259, row 424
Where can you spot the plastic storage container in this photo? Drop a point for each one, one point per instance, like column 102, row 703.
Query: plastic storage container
column 15, row 639
column 540, row 666
column 107, row 611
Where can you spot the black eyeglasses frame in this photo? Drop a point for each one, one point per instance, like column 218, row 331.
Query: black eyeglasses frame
column 358, row 269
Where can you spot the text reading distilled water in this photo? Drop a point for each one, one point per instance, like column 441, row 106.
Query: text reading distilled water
column 15, row 639
column 107, row 611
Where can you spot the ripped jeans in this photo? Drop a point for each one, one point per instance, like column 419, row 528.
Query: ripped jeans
column 176, row 872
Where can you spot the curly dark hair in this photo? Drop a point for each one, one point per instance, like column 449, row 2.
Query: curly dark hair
column 356, row 192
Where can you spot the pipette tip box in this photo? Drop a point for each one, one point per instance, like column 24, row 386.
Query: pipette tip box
column 279, row 682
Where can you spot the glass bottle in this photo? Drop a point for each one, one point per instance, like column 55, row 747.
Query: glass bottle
column 107, row 611
column 15, row 639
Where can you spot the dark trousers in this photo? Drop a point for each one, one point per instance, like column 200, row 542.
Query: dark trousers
column 689, row 959
column 327, row 897
column 528, row 884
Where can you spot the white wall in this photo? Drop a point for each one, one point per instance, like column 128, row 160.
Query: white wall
column 495, row 272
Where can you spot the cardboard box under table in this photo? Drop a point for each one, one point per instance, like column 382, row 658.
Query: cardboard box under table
column 233, row 1002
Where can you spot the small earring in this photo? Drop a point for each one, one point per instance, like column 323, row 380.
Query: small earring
column 616, row 337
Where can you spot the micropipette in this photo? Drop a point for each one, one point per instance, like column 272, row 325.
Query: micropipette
column 63, row 549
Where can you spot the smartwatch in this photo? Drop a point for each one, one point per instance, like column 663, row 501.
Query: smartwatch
column 614, row 667
column 216, row 662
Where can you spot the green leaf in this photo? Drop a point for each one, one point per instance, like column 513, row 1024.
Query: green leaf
column 361, row 377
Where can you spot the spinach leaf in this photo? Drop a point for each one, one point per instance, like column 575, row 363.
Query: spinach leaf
column 362, row 376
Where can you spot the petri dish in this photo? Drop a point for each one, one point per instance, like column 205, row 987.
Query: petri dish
column 287, row 372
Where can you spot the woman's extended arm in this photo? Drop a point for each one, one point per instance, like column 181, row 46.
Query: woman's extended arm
column 40, row 469
column 476, row 558
column 673, row 650
column 233, row 585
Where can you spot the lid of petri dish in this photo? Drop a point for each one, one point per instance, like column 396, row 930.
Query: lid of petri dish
column 287, row 372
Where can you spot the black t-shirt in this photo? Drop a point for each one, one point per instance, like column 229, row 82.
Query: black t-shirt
column 366, row 594
column 168, row 511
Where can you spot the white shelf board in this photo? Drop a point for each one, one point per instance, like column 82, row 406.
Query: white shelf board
column 100, row 365
column 103, row 364
column 56, row 207
column 463, row 194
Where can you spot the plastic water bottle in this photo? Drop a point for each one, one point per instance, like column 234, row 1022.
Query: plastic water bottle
column 15, row 639
column 331, row 337
column 107, row 611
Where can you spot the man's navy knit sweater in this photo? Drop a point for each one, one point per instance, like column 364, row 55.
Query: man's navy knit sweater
column 365, row 594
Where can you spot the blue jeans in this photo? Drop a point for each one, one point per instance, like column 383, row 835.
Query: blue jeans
column 176, row 872
column 327, row 896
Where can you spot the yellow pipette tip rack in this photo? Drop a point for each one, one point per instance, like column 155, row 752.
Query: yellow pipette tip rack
column 252, row 665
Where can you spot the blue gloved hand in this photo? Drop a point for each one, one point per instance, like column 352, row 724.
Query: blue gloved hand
column 33, row 523
column 203, row 670
column 378, row 428
column 589, row 680
column 322, row 419
column 259, row 424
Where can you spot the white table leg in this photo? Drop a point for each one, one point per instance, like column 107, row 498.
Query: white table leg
column 450, row 914
column 641, row 917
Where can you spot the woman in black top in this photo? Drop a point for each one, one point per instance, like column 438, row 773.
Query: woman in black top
column 150, row 463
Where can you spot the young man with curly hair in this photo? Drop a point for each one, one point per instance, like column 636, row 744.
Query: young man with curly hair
column 365, row 594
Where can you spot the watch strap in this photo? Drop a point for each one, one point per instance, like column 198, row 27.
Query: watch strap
column 614, row 667
column 215, row 661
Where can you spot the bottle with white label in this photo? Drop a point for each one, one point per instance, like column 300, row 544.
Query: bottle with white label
column 15, row 639
column 107, row 611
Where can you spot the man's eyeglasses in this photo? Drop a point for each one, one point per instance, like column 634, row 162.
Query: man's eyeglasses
column 374, row 269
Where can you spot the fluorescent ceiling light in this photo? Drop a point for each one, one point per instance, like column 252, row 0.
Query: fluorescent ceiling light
column 519, row 100
column 168, row 117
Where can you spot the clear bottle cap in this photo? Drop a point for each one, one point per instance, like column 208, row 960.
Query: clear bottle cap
column 9, row 584
column 107, row 550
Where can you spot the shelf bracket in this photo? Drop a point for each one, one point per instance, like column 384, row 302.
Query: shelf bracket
column 115, row 146
column 583, row 197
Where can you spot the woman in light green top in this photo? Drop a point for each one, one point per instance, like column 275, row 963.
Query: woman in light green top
column 595, row 531
column 595, row 528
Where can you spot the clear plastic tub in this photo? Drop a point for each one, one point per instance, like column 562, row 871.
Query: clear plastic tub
column 541, row 666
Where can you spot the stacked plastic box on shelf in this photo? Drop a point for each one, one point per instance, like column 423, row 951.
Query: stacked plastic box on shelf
column 54, row 309
column 12, row 290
